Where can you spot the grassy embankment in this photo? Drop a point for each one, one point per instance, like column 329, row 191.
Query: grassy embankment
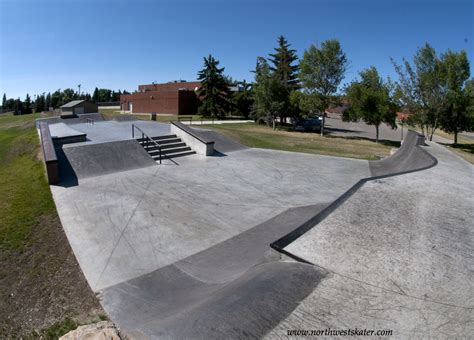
column 464, row 148
column 260, row 136
column 42, row 289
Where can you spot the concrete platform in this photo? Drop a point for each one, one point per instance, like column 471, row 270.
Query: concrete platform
column 63, row 133
column 110, row 131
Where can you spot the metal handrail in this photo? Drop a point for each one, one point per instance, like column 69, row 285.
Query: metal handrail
column 89, row 121
column 143, row 138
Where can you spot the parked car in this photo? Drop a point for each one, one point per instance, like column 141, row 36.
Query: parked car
column 308, row 124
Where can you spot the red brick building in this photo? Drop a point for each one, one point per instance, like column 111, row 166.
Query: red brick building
column 177, row 98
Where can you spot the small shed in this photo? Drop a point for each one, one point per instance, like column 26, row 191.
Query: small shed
column 77, row 107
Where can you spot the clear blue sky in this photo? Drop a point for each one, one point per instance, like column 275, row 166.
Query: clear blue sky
column 46, row 45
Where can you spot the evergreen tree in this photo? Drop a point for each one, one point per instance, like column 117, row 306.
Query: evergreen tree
column 95, row 95
column 18, row 107
column 214, row 90
column 242, row 101
column 56, row 99
column 27, row 104
column 48, row 101
column 4, row 101
column 283, row 63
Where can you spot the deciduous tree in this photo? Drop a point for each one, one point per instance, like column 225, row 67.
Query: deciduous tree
column 370, row 100
column 270, row 96
column 456, row 113
column 421, row 88
column 321, row 72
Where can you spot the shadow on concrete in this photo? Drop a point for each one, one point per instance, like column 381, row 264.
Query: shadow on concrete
column 67, row 175
column 171, row 304
column 218, row 154
column 330, row 129
column 464, row 147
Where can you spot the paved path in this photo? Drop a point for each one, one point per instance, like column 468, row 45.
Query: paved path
column 336, row 127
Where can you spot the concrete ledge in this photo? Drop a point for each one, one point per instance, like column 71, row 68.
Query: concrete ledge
column 196, row 141
column 49, row 153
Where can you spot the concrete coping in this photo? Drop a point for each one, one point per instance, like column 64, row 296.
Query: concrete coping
column 49, row 153
column 47, row 143
column 196, row 141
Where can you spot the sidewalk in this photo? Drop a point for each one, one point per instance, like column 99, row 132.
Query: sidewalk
column 204, row 122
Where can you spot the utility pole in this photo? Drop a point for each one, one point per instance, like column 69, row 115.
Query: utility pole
column 79, row 93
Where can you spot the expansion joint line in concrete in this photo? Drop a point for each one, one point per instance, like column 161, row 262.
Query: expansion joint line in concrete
column 127, row 224
column 284, row 241
column 399, row 292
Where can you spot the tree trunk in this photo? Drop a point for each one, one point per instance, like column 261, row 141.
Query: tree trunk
column 434, row 128
column 273, row 121
column 376, row 133
column 455, row 137
column 322, row 125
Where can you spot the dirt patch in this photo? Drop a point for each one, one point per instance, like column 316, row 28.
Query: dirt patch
column 43, row 284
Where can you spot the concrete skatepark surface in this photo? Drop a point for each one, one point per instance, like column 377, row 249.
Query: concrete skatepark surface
column 182, row 250
column 399, row 255
column 137, row 221
column 112, row 131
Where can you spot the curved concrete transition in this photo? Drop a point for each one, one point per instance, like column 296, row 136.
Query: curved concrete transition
column 408, row 158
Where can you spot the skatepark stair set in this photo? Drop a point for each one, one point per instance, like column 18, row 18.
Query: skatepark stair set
column 169, row 146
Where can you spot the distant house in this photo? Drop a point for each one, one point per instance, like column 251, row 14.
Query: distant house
column 77, row 107
column 403, row 116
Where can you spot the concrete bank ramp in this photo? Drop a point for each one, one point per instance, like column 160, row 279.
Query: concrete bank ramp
column 408, row 158
column 102, row 159
column 171, row 304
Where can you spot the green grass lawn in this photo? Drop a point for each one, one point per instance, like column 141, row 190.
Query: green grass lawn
column 23, row 186
column 41, row 285
column 260, row 136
